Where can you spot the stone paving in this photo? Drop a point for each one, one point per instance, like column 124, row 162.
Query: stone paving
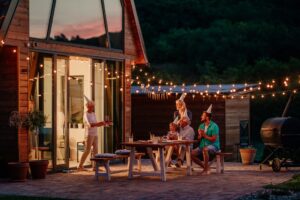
column 237, row 181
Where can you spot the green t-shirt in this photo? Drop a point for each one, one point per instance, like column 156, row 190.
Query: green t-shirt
column 212, row 129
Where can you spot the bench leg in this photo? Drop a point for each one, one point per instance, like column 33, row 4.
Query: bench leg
column 222, row 164
column 131, row 160
column 218, row 157
column 97, row 170
column 106, row 166
column 139, row 163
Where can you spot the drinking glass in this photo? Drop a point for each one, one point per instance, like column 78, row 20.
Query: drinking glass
column 179, row 137
column 130, row 139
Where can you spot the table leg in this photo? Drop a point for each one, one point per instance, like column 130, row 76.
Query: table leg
column 131, row 161
column 169, row 155
column 150, row 153
column 162, row 164
column 188, row 160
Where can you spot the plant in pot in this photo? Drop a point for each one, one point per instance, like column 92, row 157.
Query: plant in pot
column 18, row 171
column 247, row 154
column 36, row 120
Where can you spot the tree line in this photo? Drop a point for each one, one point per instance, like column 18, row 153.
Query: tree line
column 221, row 41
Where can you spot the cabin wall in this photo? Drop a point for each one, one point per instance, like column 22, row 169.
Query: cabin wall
column 236, row 111
column 8, row 102
column 18, row 35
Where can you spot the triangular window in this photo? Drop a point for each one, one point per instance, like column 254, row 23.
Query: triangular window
column 39, row 14
column 90, row 22
column 114, row 14
column 80, row 22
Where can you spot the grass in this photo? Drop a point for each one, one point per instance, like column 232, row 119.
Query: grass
column 293, row 184
column 13, row 197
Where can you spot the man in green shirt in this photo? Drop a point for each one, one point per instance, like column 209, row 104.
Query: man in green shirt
column 208, row 134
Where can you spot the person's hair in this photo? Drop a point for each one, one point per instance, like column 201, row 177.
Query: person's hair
column 90, row 103
column 186, row 119
column 208, row 115
column 174, row 125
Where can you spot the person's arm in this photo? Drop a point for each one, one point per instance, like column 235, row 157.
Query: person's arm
column 214, row 136
column 102, row 123
column 200, row 132
column 96, row 124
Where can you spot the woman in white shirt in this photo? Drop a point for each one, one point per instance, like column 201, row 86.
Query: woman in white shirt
column 91, row 125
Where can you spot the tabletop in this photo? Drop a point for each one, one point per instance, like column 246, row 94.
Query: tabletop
column 147, row 143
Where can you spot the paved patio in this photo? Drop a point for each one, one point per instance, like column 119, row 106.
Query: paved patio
column 235, row 182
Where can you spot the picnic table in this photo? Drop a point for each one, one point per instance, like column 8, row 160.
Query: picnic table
column 149, row 145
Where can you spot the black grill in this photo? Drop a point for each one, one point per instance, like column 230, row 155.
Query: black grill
column 281, row 132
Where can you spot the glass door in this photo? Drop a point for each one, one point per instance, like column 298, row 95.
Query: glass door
column 61, row 113
column 99, row 89
column 41, row 99
column 79, row 85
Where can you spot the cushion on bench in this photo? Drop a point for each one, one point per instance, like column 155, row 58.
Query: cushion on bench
column 122, row 152
column 105, row 155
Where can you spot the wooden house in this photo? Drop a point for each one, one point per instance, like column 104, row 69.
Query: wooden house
column 52, row 54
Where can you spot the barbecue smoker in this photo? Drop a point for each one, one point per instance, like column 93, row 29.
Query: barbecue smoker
column 281, row 135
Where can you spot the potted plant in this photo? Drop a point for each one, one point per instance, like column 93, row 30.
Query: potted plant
column 247, row 154
column 36, row 120
column 17, row 171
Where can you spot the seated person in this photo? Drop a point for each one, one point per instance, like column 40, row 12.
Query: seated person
column 186, row 133
column 173, row 133
column 208, row 134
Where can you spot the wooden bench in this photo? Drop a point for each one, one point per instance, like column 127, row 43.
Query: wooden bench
column 219, row 160
column 106, row 161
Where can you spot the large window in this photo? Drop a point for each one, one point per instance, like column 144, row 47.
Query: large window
column 80, row 22
column 39, row 17
column 113, row 9
column 40, row 89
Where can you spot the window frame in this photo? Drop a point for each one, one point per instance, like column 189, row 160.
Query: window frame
column 50, row 41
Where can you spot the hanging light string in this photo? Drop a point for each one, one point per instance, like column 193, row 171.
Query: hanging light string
column 151, row 84
column 159, row 89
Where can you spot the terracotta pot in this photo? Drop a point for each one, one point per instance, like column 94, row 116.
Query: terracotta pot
column 18, row 171
column 38, row 168
column 247, row 155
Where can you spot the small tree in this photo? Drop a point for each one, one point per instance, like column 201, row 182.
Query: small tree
column 33, row 120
